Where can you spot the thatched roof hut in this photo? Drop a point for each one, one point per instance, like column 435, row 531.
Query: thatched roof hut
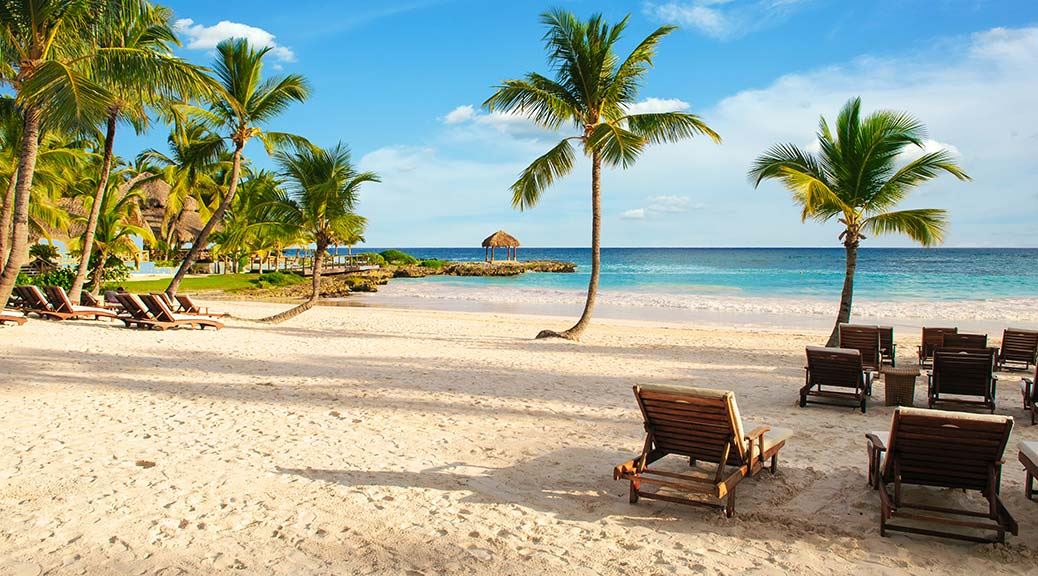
column 501, row 239
column 156, row 193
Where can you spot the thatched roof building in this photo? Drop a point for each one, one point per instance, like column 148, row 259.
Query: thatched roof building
column 154, row 209
column 501, row 239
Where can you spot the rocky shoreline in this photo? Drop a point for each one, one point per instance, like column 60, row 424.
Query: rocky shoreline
column 342, row 285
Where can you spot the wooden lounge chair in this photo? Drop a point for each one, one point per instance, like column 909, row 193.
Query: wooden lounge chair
column 961, row 340
column 1019, row 347
column 188, row 306
column 59, row 300
column 135, row 313
column 34, row 302
column 933, row 338
column 1029, row 458
column 864, row 339
column 88, row 299
column 839, row 368
column 942, row 450
column 12, row 316
column 963, row 372
column 887, row 346
column 1030, row 394
column 702, row 425
column 161, row 313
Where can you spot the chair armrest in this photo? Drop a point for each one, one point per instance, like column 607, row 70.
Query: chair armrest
column 1029, row 381
column 756, row 438
column 877, row 444
column 758, row 431
column 627, row 468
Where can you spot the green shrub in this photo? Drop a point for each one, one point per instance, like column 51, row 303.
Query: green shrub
column 61, row 277
column 276, row 280
column 373, row 258
column 432, row 264
column 398, row 257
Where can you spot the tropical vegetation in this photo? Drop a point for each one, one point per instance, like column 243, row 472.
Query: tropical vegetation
column 858, row 178
column 594, row 92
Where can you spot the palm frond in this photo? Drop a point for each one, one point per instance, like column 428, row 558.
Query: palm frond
column 541, row 174
column 658, row 128
column 925, row 225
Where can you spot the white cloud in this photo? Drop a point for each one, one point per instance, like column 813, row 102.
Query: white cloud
column 635, row 214
column 724, row 19
column 460, row 114
column 660, row 206
column 201, row 37
column 658, row 105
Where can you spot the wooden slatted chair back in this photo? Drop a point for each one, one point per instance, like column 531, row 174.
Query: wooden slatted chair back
column 157, row 306
column 133, row 305
column 963, row 371
column 961, row 340
column 59, row 299
column 699, row 423
column 864, row 339
column 187, row 304
column 886, row 339
column 835, row 367
column 946, row 449
column 933, row 338
column 1019, row 345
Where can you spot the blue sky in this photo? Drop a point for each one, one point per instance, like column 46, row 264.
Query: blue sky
column 401, row 83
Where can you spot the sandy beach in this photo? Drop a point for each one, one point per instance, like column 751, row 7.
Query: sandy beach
column 367, row 440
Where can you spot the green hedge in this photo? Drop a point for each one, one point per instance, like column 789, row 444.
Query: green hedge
column 398, row 257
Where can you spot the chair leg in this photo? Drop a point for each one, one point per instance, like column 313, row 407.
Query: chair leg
column 691, row 461
column 634, row 492
column 729, row 508
column 1029, row 485
column 774, row 463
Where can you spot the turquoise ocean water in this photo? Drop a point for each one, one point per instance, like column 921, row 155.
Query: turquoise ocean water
column 886, row 274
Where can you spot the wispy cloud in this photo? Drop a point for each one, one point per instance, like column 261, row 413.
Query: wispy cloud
column 724, row 19
column 633, row 214
column 659, row 206
column 201, row 37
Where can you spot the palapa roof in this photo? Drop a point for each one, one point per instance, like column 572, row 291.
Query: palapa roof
column 500, row 239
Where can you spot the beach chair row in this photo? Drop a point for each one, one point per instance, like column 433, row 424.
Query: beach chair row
column 922, row 447
column 152, row 311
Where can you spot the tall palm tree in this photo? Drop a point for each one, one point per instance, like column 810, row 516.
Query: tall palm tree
column 857, row 179
column 120, row 221
column 190, row 167
column 321, row 189
column 51, row 59
column 243, row 103
column 593, row 92
column 134, row 25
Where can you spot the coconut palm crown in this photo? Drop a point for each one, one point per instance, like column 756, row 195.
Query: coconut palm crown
column 593, row 91
column 858, row 179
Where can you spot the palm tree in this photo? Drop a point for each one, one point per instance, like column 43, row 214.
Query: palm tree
column 593, row 91
column 190, row 168
column 51, row 59
column 243, row 103
column 119, row 221
column 857, row 178
column 321, row 188
column 135, row 25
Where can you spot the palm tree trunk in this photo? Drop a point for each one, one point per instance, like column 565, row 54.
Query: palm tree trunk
column 847, row 295
column 98, row 276
column 577, row 330
column 20, row 227
column 203, row 234
column 95, row 213
column 6, row 216
column 315, row 291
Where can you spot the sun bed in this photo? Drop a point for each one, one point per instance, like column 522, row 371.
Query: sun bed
column 55, row 307
column 135, row 313
column 12, row 316
column 864, row 339
column 1029, row 458
column 933, row 338
column 188, row 306
column 960, row 340
column 835, row 374
column 1030, row 393
column 961, row 373
column 702, row 425
column 32, row 301
column 60, row 301
column 951, row 450
column 89, row 300
column 1019, row 347
column 161, row 313
column 887, row 346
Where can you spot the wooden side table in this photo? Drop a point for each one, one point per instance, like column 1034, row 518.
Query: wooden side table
column 899, row 385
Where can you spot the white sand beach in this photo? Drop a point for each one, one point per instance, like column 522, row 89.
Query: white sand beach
column 364, row 440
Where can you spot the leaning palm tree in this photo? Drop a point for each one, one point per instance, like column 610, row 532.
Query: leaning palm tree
column 321, row 189
column 243, row 103
column 594, row 92
column 134, row 25
column 50, row 57
column 857, row 179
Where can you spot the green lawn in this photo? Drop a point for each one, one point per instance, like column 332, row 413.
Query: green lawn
column 198, row 284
